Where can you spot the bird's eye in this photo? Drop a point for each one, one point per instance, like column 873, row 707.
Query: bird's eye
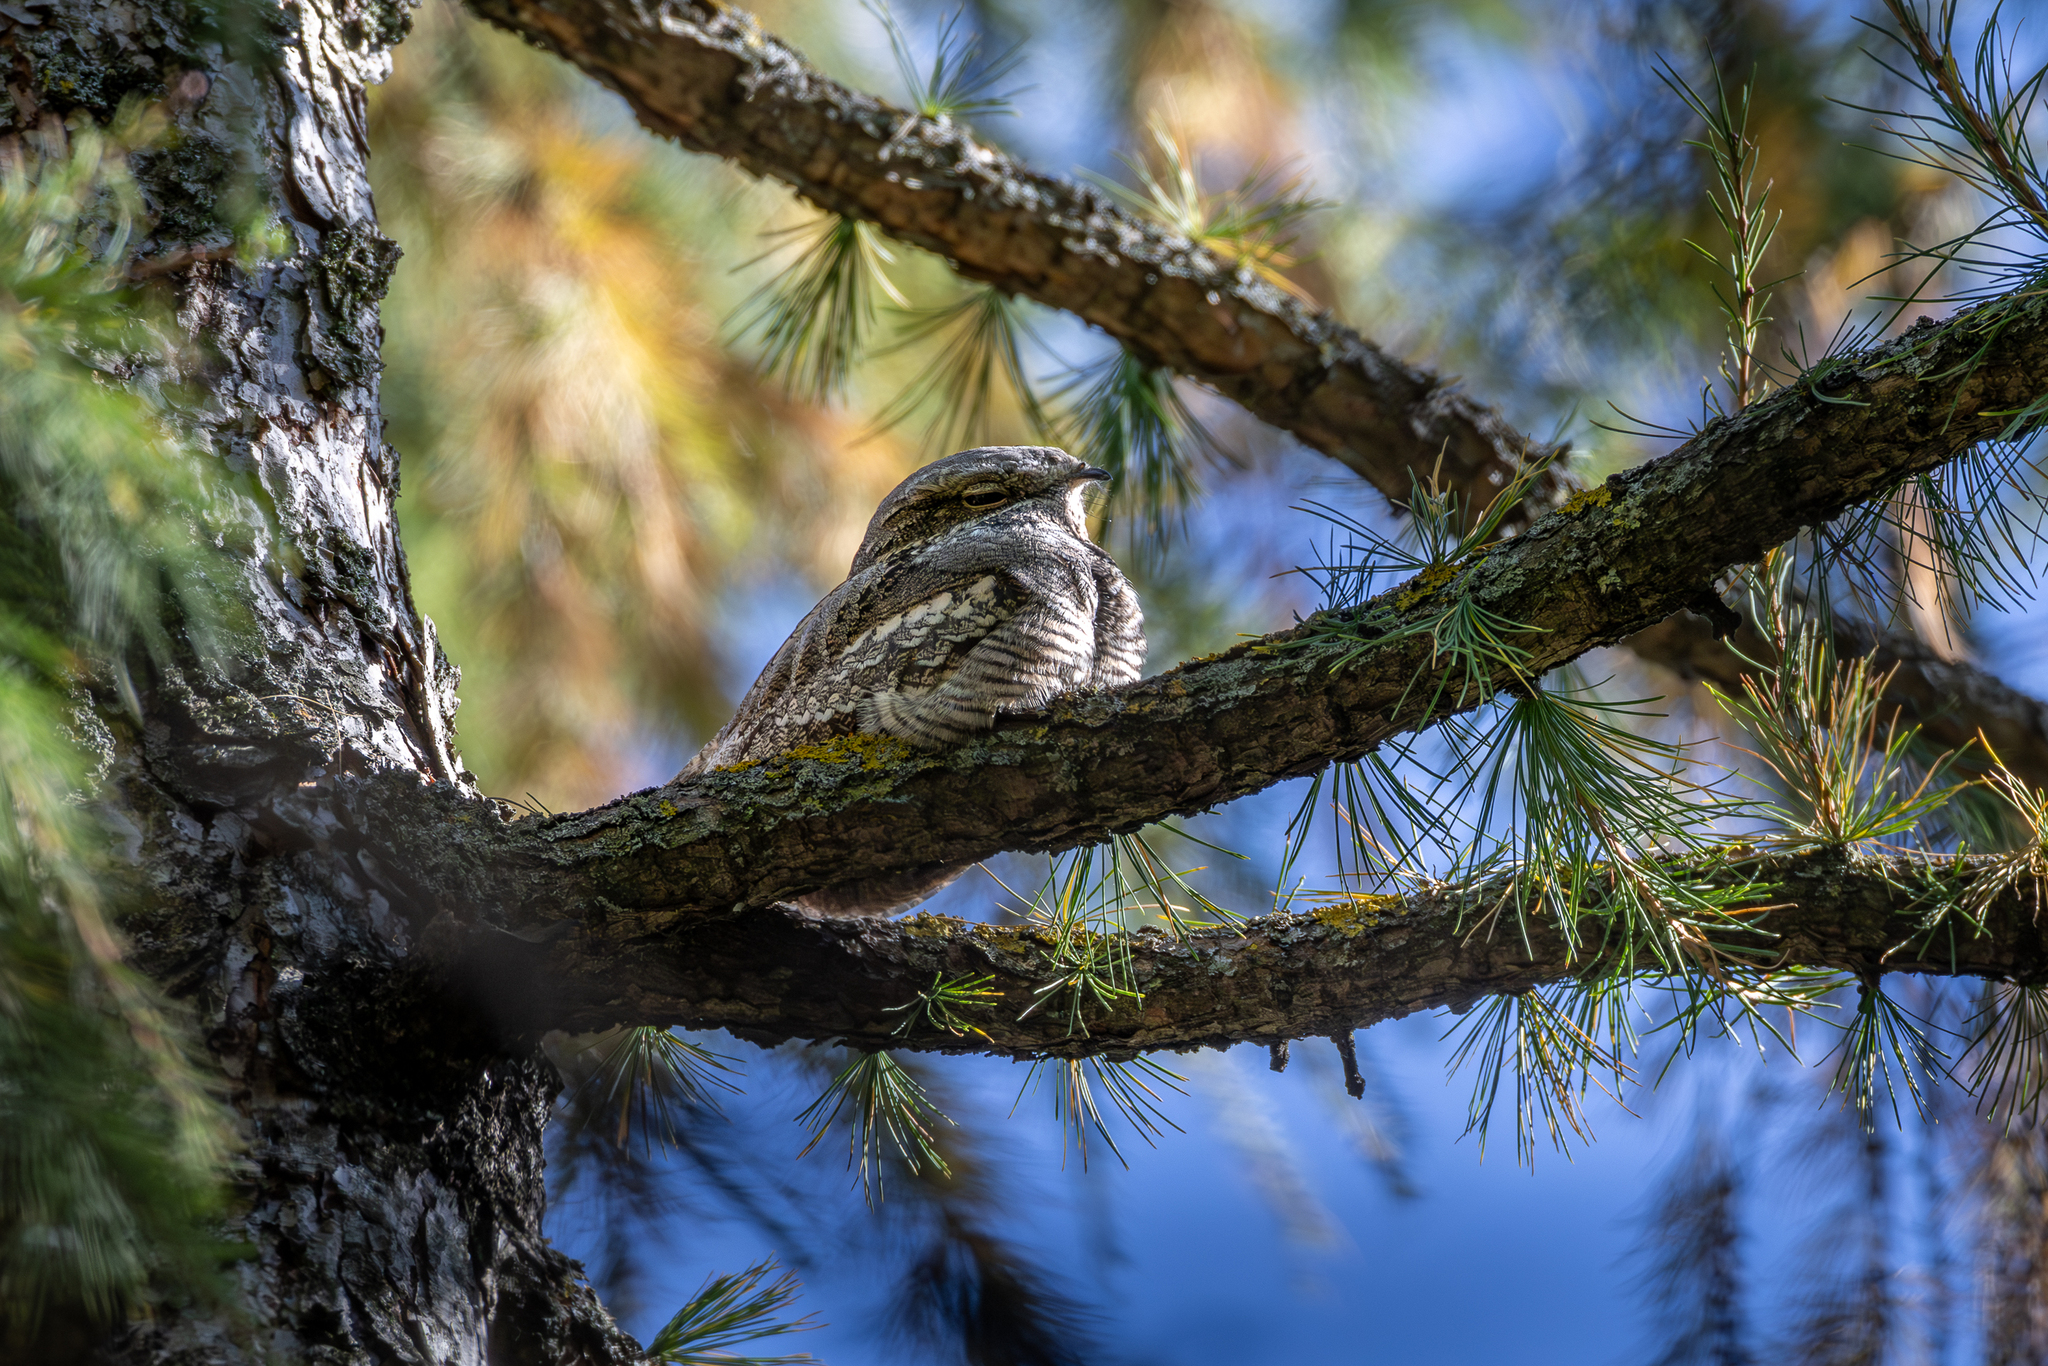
column 984, row 497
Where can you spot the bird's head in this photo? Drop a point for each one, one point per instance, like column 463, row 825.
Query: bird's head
column 1000, row 486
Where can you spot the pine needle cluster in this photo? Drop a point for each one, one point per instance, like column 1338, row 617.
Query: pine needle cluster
column 111, row 1147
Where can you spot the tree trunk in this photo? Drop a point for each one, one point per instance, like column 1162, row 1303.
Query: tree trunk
column 391, row 1191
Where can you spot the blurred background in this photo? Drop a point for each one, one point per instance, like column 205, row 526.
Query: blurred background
column 619, row 497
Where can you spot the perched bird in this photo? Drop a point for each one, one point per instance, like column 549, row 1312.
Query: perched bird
column 975, row 592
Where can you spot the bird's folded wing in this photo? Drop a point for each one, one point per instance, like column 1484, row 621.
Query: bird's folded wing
column 940, row 669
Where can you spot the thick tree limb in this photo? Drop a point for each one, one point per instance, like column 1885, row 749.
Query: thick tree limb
column 1618, row 559
column 708, row 77
column 778, row 976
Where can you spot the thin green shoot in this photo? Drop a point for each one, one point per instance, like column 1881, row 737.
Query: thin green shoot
column 1128, row 1084
column 977, row 364
column 1740, row 206
column 1252, row 225
column 730, row 1312
column 1978, row 130
column 815, row 317
column 940, row 1005
column 1131, row 420
column 959, row 84
column 644, row 1074
column 883, row 1103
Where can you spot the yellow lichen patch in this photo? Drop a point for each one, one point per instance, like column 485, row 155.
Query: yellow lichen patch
column 667, row 807
column 925, row 925
column 869, row 751
column 1424, row 584
column 1354, row 915
column 1599, row 496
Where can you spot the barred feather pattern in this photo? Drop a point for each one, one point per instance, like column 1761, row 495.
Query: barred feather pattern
column 976, row 592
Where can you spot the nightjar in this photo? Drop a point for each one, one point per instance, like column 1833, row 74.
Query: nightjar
column 975, row 592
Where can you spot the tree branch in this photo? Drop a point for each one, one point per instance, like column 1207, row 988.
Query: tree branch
column 707, row 76
column 1951, row 702
column 785, row 975
column 1616, row 560
column 710, row 78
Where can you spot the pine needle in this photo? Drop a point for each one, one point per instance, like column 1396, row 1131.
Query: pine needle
column 729, row 1312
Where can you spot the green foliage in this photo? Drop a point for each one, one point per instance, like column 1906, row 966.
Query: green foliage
column 1844, row 765
column 958, row 85
column 2007, row 1052
column 728, row 1312
column 1883, row 1049
column 939, row 1006
column 1958, row 536
column 1548, row 1042
column 1251, row 225
column 110, row 1147
column 815, row 316
column 880, row 1099
column 1129, row 1085
column 1131, row 420
column 644, row 1074
column 977, row 362
column 1090, row 903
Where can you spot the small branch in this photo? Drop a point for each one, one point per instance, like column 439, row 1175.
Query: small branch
column 1938, row 64
column 1347, row 1053
column 1952, row 703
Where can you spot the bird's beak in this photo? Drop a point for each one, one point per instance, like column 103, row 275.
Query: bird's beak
column 1091, row 472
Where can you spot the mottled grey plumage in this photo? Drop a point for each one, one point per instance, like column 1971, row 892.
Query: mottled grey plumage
column 975, row 592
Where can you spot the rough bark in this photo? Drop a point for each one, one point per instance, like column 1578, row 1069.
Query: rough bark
column 1615, row 560
column 313, row 859
column 392, row 1186
column 708, row 76
column 785, row 975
